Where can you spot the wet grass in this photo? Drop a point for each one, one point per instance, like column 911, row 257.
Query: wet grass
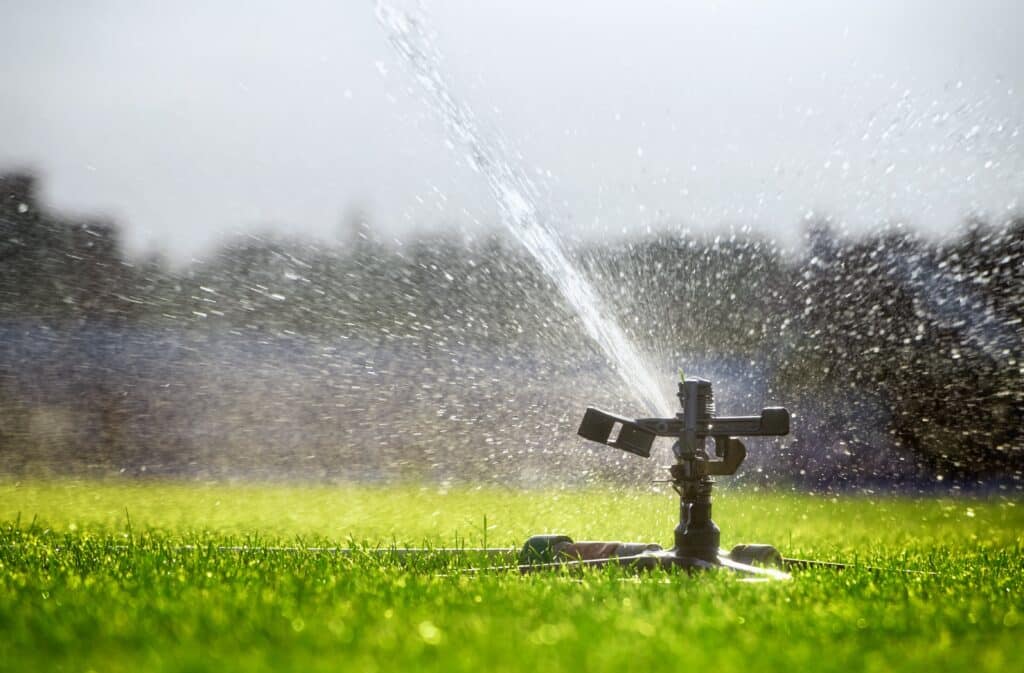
column 127, row 577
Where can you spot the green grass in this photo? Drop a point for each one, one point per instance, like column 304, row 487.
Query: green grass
column 82, row 590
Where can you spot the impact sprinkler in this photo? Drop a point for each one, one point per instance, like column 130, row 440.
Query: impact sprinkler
column 696, row 537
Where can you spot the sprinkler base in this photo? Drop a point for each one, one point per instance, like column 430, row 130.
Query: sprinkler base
column 546, row 552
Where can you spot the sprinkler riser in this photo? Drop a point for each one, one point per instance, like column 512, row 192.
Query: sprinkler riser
column 697, row 535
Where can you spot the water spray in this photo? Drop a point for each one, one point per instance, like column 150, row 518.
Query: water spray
column 516, row 197
column 696, row 537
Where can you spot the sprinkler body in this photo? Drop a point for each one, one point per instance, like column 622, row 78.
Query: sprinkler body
column 696, row 537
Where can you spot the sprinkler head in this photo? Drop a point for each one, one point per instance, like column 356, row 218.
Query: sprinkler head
column 691, row 427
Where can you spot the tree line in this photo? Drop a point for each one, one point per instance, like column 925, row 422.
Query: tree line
column 888, row 337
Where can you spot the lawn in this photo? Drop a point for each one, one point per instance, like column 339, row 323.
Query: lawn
column 128, row 577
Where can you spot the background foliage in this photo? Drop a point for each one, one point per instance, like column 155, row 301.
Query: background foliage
column 902, row 357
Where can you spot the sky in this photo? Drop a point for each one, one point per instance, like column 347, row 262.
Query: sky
column 190, row 122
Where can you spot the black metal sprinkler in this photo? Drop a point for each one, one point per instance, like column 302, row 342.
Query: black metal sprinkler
column 696, row 537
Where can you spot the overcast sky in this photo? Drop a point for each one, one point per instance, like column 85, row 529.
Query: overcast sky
column 190, row 120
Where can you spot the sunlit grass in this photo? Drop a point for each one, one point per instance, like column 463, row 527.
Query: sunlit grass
column 98, row 576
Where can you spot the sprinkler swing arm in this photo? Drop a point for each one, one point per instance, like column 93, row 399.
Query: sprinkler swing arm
column 637, row 436
column 696, row 537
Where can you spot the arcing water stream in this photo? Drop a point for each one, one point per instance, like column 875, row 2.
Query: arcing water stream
column 515, row 195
